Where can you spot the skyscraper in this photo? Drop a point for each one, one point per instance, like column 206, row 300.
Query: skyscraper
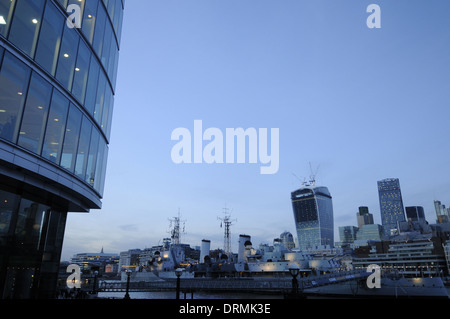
column 313, row 214
column 363, row 216
column 57, row 83
column 415, row 213
column 442, row 213
column 391, row 204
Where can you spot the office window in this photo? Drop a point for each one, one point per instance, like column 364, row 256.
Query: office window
column 35, row 114
column 50, row 38
column 83, row 148
column 91, row 92
column 71, row 138
column 92, row 158
column 56, row 125
column 25, row 25
column 6, row 9
column 89, row 19
column 14, row 76
column 81, row 72
column 67, row 57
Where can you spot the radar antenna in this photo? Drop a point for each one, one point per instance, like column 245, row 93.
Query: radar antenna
column 177, row 228
column 226, row 222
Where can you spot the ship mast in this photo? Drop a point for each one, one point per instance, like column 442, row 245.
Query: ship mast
column 177, row 228
column 226, row 222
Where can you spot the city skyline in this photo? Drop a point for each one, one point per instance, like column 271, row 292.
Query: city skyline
column 364, row 104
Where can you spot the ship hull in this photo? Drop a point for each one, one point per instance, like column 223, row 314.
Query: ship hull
column 390, row 288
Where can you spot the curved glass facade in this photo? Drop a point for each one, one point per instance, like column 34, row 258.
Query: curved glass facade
column 313, row 214
column 58, row 69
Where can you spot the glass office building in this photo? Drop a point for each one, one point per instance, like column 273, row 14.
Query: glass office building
column 57, row 82
column 391, row 205
column 313, row 214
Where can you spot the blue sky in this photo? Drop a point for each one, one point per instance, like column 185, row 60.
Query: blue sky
column 361, row 104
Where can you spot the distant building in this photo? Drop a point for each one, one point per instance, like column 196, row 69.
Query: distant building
column 368, row 233
column 88, row 260
column 391, row 205
column 287, row 240
column 442, row 213
column 347, row 235
column 415, row 213
column 129, row 259
column 363, row 216
column 403, row 256
column 313, row 214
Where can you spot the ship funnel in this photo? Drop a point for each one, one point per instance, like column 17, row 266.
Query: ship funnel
column 241, row 253
column 204, row 250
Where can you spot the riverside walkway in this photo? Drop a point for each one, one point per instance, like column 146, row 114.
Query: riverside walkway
column 255, row 284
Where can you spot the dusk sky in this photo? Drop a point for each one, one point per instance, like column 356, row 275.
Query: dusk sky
column 360, row 104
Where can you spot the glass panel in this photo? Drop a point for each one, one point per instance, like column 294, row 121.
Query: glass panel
column 29, row 224
column 6, row 10
column 81, row 72
column 106, row 109
column 63, row 3
column 35, row 114
column 117, row 16
column 99, row 30
column 71, row 138
column 50, row 38
column 78, row 3
column 101, row 165
column 67, row 56
column 83, row 148
column 98, row 111
column 25, row 25
column 9, row 203
column 105, row 55
column 89, row 19
column 92, row 159
column 112, row 56
column 56, row 126
column 14, row 77
column 91, row 93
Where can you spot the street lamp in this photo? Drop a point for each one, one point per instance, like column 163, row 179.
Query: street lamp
column 178, row 273
column 127, row 295
column 94, row 287
column 294, row 269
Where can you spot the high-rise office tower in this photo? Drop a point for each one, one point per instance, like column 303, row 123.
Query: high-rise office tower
column 313, row 214
column 57, row 83
column 415, row 213
column 391, row 205
column 442, row 213
column 363, row 216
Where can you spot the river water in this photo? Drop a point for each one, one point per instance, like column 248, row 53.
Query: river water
column 195, row 295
